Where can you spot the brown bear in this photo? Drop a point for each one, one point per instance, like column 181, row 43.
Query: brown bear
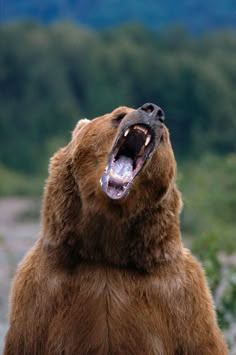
column 109, row 273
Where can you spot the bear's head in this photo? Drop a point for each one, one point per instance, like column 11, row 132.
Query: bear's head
column 117, row 171
column 123, row 159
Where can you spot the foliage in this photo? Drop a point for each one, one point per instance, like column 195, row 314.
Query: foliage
column 51, row 76
column 208, row 223
column 13, row 183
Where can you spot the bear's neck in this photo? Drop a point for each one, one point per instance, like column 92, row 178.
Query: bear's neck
column 144, row 241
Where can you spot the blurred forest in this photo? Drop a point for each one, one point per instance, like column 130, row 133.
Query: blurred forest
column 51, row 76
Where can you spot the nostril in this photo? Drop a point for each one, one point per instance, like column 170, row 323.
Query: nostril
column 160, row 115
column 148, row 108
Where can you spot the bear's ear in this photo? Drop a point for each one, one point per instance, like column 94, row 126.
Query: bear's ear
column 61, row 204
column 83, row 122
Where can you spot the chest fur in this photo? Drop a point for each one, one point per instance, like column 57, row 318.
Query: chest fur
column 110, row 312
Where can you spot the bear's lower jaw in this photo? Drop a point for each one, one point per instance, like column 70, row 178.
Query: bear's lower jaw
column 131, row 150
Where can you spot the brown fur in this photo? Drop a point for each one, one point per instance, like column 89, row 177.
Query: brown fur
column 110, row 277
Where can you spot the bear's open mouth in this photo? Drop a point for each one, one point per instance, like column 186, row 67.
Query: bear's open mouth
column 129, row 154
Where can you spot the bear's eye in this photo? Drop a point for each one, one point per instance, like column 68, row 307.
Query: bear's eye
column 119, row 117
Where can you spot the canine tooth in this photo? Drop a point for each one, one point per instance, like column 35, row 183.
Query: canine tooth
column 127, row 132
column 147, row 140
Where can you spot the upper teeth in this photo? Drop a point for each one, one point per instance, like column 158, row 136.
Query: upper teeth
column 144, row 130
column 147, row 140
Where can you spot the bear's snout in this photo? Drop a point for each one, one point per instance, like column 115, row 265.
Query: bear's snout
column 153, row 111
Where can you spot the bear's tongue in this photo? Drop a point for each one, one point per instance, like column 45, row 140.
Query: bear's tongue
column 122, row 169
column 119, row 176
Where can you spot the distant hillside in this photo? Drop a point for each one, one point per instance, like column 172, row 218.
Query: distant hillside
column 195, row 15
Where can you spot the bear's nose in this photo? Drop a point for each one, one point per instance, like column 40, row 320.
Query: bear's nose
column 154, row 111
